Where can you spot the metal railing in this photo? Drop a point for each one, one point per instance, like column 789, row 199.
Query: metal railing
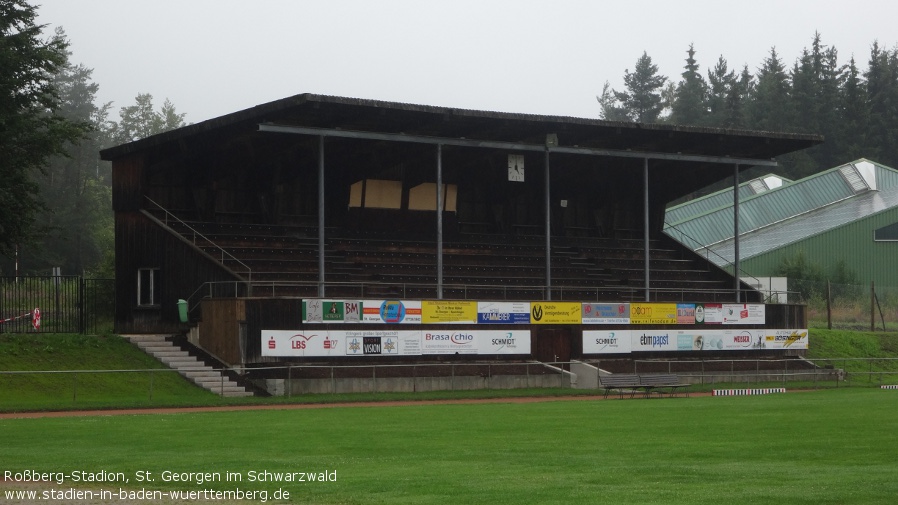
column 196, row 234
column 231, row 289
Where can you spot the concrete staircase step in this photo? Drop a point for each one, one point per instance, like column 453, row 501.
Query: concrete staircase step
column 145, row 338
column 188, row 366
column 169, row 354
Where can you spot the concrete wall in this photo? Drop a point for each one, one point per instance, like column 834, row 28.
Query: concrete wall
column 279, row 387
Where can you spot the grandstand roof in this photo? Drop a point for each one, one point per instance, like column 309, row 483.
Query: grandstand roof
column 321, row 111
column 784, row 215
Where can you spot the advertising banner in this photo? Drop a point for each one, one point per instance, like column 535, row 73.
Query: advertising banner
column 606, row 342
column 381, row 343
column 725, row 340
column 504, row 341
column 709, row 313
column 318, row 310
column 653, row 313
column 656, row 340
column 743, row 313
column 449, row 342
column 685, row 313
column 449, row 311
column 391, row 311
column 605, row 313
column 503, row 313
column 555, row 312
column 786, row 339
column 301, row 343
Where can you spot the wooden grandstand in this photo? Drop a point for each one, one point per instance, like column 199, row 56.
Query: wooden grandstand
column 246, row 215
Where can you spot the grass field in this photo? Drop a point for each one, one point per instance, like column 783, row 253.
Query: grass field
column 819, row 447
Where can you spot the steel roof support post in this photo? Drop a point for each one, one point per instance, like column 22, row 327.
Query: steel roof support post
column 736, row 230
column 548, row 202
column 439, row 208
column 645, row 222
column 321, row 216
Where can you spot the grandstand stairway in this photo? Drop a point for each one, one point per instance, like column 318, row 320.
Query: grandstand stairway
column 190, row 367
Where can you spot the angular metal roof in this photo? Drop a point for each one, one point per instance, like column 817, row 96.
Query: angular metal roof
column 791, row 213
column 723, row 198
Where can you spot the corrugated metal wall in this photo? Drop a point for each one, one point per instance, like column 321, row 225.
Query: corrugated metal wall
column 853, row 242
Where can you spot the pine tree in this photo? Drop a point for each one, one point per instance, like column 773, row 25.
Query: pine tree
column 689, row 106
column 854, row 114
column 770, row 107
column 720, row 82
column 642, row 101
column 31, row 128
column 738, row 100
column 882, row 105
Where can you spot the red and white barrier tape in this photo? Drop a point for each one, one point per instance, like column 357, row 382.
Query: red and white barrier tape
column 35, row 316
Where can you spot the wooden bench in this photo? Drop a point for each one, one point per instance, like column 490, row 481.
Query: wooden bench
column 623, row 383
column 659, row 382
column 632, row 383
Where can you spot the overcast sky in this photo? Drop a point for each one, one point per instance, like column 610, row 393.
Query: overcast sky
column 213, row 57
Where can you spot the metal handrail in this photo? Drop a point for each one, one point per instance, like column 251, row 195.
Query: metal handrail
column 198, row 234
column 707, row 250
column 259, row 288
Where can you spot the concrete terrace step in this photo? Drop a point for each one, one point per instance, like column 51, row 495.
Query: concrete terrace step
column 188, row 366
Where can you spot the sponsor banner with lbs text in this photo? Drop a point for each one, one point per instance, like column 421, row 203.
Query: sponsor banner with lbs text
column 625, row 341
column 333, row 343
column 301, row 343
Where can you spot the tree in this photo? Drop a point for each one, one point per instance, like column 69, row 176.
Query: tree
column 76, row 188
column 690, row 105
column 853, row 110
column 770, row 110
column 141, row 120
column 611, row 110
column 738, row 99
column 31, row 128
column 882, row 105
column 720, row 81
column 642, row 101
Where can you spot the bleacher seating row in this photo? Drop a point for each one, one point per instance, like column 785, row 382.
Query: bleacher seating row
column 586, row 268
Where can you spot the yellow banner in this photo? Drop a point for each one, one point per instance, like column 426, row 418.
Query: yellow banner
column 555, row 312
column 448, row 311
column 653, row 313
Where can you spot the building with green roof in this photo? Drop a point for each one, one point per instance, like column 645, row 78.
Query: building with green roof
column 842, row 218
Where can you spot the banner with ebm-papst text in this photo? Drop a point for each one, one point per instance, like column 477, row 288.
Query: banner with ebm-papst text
column 695, row 340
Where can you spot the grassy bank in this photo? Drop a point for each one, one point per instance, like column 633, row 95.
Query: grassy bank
column 90, row 371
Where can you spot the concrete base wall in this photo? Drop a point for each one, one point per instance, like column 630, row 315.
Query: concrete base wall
column 586, row 379
column 280, row 387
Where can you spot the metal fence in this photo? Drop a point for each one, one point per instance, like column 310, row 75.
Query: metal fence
column 56, row 304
